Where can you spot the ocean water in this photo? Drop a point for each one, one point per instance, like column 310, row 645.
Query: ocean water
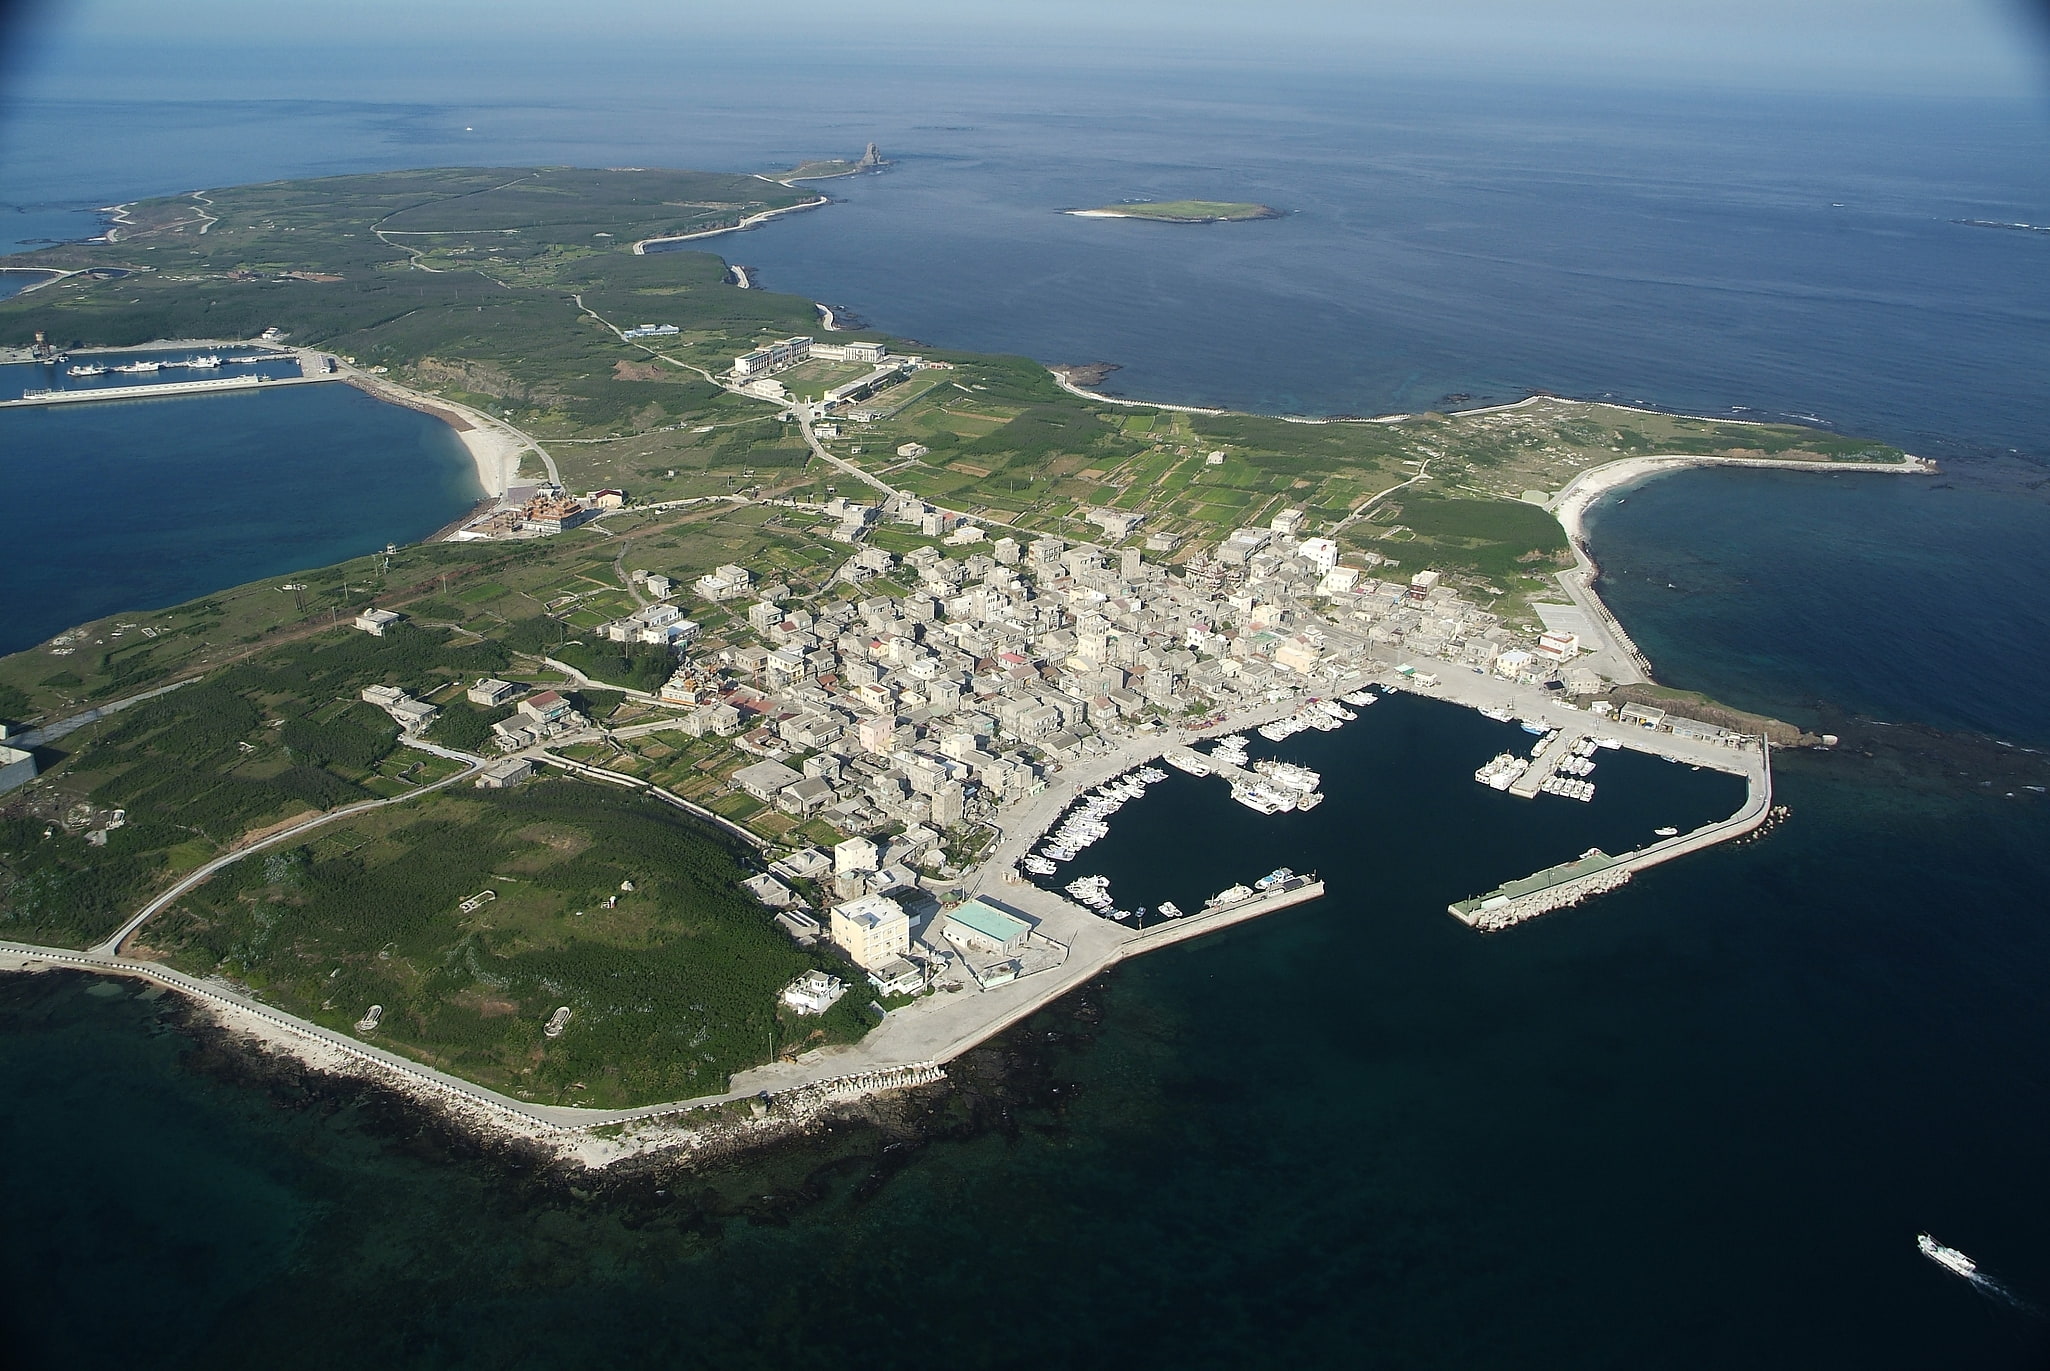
column 1694, row 1123
column 1187, row 840
column 1903, row 598
column 137, row 504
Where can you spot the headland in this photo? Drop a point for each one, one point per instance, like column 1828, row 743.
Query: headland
column 1020, row 596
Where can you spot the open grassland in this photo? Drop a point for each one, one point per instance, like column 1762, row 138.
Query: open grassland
column 462, row 281
column 615, row 905
column 273, row 729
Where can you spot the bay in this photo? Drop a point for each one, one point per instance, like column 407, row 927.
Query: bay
column 1696, row 1122
column 1905, row 598
column 147, row 503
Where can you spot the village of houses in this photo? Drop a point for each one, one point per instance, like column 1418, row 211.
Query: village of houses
column 905, row 717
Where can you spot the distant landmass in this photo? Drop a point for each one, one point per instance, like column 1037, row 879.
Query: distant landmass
column 1183, row 211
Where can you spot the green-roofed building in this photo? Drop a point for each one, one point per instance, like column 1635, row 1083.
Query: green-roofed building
column 987, row 928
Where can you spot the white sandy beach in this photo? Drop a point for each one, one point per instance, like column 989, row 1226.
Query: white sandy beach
column 1571, row 504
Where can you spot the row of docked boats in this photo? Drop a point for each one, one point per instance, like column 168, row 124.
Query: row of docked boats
column 1319, row 714
column 1088, row 821
column 1093, row 892
column 1279, row 788
column 204, row 362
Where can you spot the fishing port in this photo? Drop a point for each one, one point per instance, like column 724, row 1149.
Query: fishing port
column 313, row 368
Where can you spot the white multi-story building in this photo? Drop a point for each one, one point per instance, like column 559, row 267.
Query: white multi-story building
column 872, row 930
column 1320, row 553
column 728, row 582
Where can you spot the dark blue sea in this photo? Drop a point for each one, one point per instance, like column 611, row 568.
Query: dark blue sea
column 1695, row 1123
column 151, row 502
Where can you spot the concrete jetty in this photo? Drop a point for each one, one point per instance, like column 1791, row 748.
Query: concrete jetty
column 1546, row 764
column 1595, row 871
column 157, row 390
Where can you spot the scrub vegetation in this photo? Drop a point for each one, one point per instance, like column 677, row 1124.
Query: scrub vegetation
column 615, row 905
column 508, row 290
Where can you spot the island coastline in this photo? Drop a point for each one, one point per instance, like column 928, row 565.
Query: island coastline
column 881, row 1061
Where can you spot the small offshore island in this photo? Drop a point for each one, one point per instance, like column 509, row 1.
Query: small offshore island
column 1182, row 212
column 719, row 769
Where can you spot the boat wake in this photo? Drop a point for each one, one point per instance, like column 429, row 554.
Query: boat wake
column 1958, row 1264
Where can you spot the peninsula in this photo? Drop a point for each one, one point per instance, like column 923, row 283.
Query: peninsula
column 717, row 756
column 1182, row 212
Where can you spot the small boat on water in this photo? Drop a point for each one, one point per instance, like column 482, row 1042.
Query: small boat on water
column 86, row 369
column 1947, row 1257
column 1170, row 910
column 138, row 368
column 1667, row 832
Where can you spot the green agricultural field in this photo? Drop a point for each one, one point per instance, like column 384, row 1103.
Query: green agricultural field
column 672, row 987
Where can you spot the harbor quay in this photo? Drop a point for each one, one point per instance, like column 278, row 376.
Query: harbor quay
column 1008, row 699
column 161, row 389
column 913, row 1044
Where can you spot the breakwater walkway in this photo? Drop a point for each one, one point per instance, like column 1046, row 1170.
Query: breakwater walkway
column 159, row 389
column 1595, row 871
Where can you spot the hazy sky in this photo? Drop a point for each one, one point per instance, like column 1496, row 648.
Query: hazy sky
column 1963, row 47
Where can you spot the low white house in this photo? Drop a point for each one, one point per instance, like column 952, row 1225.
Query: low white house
column 491, row 692
column 813, row 993
column 376, row 621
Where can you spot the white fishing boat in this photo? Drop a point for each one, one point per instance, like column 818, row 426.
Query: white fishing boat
column 1502, row 772
column 1947, row 1257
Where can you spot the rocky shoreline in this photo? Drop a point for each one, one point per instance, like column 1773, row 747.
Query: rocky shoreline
column 764, row 1167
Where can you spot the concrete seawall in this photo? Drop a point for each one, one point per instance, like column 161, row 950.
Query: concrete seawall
column 217, row 386
column 1576, row 884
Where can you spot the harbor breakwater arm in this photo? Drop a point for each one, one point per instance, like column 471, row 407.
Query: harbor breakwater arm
column 1595, row 872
